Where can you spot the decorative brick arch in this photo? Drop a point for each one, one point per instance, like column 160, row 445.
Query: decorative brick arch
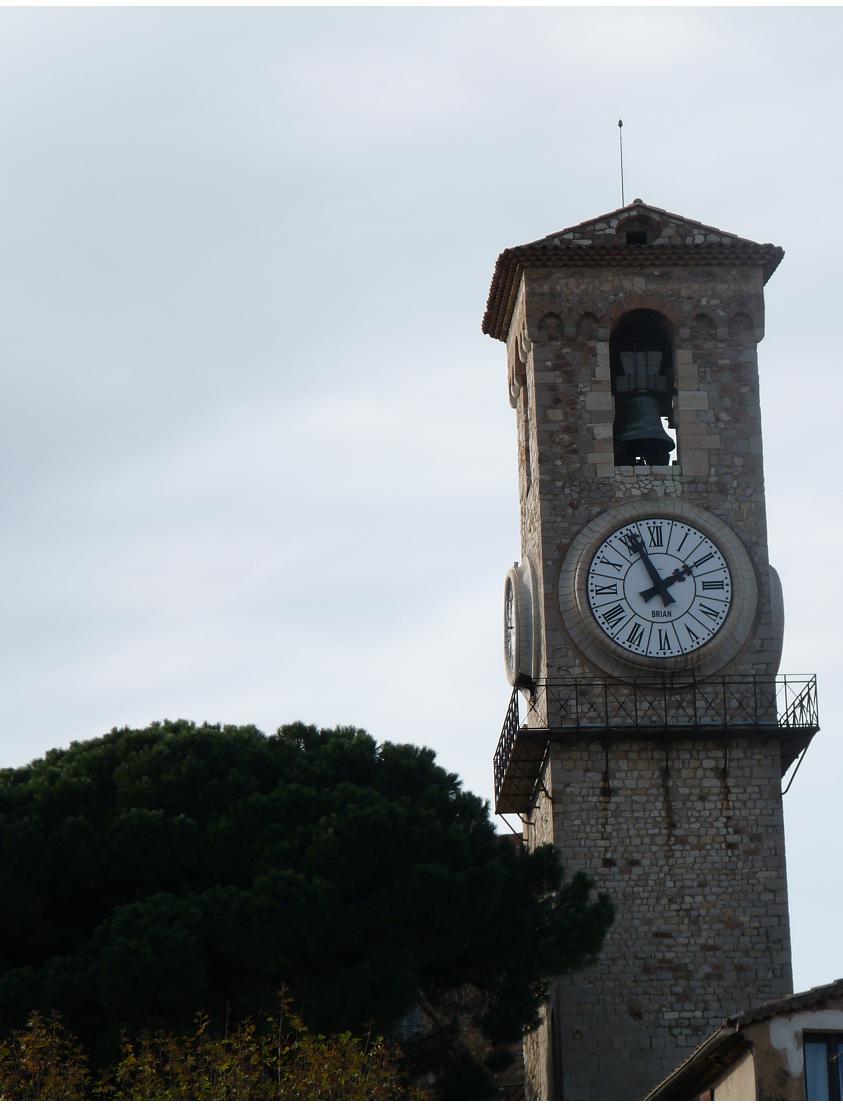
column 638, row 301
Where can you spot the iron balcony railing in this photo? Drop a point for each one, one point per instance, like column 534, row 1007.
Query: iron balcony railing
column 781, row 703
column 506, row 743
column 729, row 701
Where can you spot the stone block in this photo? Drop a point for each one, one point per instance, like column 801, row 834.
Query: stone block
column 689, row 421
column 690, row 400
column 599, row 401
column 698, row 440
column 695, row 463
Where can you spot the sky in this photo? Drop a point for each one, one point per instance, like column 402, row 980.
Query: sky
column 258, row 462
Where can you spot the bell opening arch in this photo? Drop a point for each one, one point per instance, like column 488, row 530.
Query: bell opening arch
column 641, row 357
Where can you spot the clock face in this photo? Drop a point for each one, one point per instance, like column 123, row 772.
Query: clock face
column 659, row 588
column 518, row 623
column 510, row 651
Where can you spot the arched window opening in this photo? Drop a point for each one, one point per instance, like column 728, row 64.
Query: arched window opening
column 643, row 384
column 524, row 412
column 520, row 391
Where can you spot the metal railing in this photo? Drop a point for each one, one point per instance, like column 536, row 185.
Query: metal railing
column 722, row 702
column 509, row 733
column 797, row 700
column 727, row 703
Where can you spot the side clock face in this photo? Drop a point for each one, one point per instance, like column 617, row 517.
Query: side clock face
column 510, row 629
column 519, row 620
column 659, row 588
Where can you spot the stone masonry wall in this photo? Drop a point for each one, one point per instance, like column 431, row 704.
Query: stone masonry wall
column 692, row 856
column 689, row 844
column 562, row 327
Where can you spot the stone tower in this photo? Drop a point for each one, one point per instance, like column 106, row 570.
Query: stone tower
column 648, row 732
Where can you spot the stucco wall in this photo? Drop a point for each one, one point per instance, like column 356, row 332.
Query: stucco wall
column 738, row 1082
column 778, row 1046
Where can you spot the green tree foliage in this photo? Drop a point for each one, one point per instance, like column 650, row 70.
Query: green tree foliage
column 276, row 1059
column 151, row 873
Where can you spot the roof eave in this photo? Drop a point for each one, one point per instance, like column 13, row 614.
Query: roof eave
column 512, row 262
column 686, row 1078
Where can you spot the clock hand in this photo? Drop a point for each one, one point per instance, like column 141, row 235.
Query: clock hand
column 675, row 576
column 660, row 586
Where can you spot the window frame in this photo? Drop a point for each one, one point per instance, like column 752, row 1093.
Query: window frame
column 833, row 1042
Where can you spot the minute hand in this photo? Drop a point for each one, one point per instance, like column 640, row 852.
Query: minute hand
column 659, row 586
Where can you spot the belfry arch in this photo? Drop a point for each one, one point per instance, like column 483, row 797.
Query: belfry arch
column 641, row 357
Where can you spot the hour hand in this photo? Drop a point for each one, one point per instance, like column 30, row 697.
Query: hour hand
column 659, row 586
column 675, row 576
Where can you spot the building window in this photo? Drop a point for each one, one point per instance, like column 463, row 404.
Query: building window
column 823, row 1068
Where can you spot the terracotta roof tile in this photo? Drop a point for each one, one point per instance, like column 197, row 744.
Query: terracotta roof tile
column 607, row 250
column 794, row 1002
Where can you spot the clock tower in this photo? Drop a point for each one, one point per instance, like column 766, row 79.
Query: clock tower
column 648, row 730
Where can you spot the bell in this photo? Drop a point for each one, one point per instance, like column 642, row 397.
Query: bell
column 643, row 440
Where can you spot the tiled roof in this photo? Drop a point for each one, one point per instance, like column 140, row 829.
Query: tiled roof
column 594, row 243
column 794, row 1002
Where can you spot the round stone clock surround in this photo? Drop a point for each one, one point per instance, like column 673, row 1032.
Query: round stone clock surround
column 593, row 638
column 521, row 637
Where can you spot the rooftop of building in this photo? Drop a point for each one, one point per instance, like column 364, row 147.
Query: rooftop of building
column 638, row 235
column 726, row 1043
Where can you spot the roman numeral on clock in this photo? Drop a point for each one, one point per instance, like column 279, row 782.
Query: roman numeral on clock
column 630, row 540
column 702, row 560
column 664, row 639
column 614, row 616
column 655, row 532
column 709, row 611
column 606, row 589
column 616, row 565
column 713, row 585
column 692, row 634
column 635, row 635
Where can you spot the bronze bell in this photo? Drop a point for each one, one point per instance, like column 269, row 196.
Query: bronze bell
column 643, row 440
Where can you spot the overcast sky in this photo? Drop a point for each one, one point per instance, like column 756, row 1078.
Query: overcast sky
column 258, row 462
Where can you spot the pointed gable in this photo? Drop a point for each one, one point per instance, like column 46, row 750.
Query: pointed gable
column 664, row 227
column 636, row 236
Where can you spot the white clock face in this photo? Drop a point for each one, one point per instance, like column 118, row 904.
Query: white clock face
column 518, row 623
column 659, row 588
column 509, row 628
